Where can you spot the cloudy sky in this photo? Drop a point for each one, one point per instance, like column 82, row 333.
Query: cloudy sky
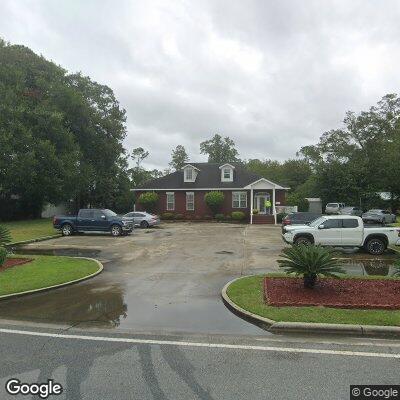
column 272, row 75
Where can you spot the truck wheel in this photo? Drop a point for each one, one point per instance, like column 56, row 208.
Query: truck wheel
column 302, row 240
column 66, row 230
column 116, row 230
column 375, row 246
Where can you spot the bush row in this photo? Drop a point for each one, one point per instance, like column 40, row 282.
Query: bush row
column 235, row 215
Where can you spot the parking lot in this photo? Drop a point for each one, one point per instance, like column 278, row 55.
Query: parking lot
column 166, row 278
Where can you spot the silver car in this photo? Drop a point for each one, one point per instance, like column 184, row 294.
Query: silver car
column 351, row 211
column 334, row 208
column 142, row 219
column 379, row 217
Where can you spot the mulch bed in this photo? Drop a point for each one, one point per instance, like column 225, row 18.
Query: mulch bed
column 12, row 262
column 330, row 292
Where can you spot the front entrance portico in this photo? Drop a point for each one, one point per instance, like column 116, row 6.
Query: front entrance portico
column 263, row 198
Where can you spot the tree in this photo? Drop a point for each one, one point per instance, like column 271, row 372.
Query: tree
column 61, row 136
column 214, row 200
column 149, row 201
column 354, row 163
column 179, row 158
column 219, row 149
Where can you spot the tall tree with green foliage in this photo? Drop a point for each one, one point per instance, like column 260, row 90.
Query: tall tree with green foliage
column 179, row 158
column 354, row 163
column 219, row 149
column 61, row 136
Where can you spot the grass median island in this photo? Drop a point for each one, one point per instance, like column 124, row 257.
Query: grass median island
column 248, row 294
column 30, row 229
column 44, row 271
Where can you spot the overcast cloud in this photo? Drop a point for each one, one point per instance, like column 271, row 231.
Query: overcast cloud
column 272, row 75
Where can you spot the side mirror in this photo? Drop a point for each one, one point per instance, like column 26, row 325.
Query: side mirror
column 103, row 217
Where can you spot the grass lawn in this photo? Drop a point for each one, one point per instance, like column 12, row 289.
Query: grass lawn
column 44, row 271
column 248, row 294
column 30, row 229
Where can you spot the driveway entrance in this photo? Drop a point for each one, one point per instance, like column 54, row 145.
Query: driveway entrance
column 167, row 279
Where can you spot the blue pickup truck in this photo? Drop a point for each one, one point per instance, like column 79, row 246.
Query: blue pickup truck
column 93, row 220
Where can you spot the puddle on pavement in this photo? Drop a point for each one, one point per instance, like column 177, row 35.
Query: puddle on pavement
column 58, row 252
column 369, row 266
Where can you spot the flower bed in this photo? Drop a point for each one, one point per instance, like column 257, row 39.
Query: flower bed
column 330, row 292
column 12, row 262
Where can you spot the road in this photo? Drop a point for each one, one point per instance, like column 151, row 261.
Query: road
column 93, row 365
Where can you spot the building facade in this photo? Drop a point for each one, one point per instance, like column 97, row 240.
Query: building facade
column 182, row 192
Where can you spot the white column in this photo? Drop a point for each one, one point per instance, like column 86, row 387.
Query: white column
column 251, row 206
column 273, row 203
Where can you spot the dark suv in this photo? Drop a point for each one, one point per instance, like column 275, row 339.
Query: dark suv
column 299, row 218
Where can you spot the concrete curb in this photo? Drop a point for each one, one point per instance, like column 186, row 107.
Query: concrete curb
column 262, row 322
column 27, row 292
column 307, row 327
column 39, row 239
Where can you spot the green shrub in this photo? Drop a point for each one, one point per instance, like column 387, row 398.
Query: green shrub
column 255, row 211
column 5, row 236
column 279, row 217
column 238, row 215
column 295, row 199
column 148, row 201
column 228, row 217
column 219, row 217
column 214, row 200
column 309, row 262
column 167, row 215
column 179, row 216
column 3, row 255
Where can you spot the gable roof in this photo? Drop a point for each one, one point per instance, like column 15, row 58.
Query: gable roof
column 208, row 177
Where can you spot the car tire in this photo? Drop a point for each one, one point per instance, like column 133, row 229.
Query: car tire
column 303, row 240
column 144, row 225
column 67, row 230
column 116, row 230
column 375, row 246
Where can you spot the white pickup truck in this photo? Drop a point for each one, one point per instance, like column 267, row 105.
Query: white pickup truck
column 342, row 231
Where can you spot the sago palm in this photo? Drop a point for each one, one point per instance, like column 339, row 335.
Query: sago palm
column 5, row 236
column 309, row 262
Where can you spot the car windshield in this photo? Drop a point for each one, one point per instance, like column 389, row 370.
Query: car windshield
column 109, row 213
column 348, row 209
column 375, row 211
column 317, row 222
column 332, row 205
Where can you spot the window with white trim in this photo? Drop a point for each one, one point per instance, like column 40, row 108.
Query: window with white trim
column 170, row 201
column 189, row 201
column 189, row 174
column 226, row 173
column 239, row 199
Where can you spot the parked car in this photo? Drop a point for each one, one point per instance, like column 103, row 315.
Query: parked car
column 351, row 211
column 299, row 218
column 93, row 220
column 334, row 208
column 142, row 219
column 343, row 231
column 379, row 217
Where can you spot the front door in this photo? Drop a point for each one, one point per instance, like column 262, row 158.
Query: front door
column 261, row 204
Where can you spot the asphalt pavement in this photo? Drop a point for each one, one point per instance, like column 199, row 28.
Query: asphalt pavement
column 93, row 365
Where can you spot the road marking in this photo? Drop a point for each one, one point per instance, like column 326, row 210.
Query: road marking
column 204, row 345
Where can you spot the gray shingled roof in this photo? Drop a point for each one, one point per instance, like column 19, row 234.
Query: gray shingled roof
column 209, row 177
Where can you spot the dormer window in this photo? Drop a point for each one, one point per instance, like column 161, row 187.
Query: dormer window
column 227, row 172
column 190, row 173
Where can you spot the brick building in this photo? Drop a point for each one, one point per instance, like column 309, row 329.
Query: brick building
column 182, row 192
